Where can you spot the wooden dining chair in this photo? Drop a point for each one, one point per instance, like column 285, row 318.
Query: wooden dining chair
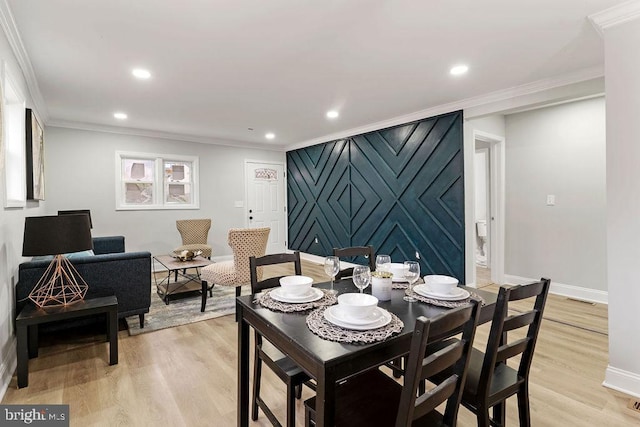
column 280, row 364
column 375, row 399
column 490, row 381
column 353, row 253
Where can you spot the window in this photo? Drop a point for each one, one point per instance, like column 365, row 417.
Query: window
column 156, row 181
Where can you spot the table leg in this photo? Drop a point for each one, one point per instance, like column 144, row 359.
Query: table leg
column 112, row 330
column 23, row 355
column 243, row 369
column 325, row 400
column 33, row 340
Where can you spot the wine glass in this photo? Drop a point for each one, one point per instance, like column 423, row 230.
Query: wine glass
column 411, row 273
column 361, row 276
column 382, row 262
column 332, row 268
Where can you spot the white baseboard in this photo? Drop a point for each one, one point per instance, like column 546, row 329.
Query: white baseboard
column 623, row 381
column 569, row 291
column 8, row 366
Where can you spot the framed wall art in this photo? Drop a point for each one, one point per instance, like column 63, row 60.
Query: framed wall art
column 34, row 157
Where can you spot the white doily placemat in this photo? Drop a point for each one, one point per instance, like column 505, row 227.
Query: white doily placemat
column 441, row 303
column 327, row 330
column 266, row 301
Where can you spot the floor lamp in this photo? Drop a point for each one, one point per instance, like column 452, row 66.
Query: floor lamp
column 61, row 284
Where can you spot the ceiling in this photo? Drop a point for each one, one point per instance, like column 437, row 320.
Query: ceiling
column 220, row 67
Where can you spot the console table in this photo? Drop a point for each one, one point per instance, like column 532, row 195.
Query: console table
column 31, row 316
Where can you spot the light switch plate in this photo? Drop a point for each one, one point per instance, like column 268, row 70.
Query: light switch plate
column 551, row 200
column 238, row 204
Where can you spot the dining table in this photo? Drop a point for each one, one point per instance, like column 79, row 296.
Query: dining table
column 329, row 362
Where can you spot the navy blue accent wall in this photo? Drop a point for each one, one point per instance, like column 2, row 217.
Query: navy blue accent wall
column 399, row 189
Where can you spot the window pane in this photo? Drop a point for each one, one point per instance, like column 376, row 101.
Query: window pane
column 178, row 193
column 139, row 194
column 177, row 171
column 137, row 170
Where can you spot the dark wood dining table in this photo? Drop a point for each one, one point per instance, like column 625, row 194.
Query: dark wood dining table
column 326, row 361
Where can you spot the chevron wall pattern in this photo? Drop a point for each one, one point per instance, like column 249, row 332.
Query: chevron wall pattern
column 399, row 189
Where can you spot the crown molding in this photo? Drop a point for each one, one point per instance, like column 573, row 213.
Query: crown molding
column 161, row 135
column 8, row 24
column 615, row 15
column 492, row 97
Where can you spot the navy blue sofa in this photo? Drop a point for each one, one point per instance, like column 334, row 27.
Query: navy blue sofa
column 111, row 271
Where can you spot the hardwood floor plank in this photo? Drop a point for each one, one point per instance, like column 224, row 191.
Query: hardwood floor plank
column 186, row 376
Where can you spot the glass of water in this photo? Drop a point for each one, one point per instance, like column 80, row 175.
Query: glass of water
column 361, row 276
column 332, row 268
column 411, row 273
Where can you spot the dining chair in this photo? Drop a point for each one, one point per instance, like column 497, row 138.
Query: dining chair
column 194, row 234
column 244, row 242
column 375, row 399
column 490, row 381
column 352, row 253
column 280, row 364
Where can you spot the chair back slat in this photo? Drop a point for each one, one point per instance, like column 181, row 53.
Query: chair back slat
column 430, row 400
column 508, row 351
column 498, row 348
column 452, row 356
column 353, row 253
column 518, row 321
column 442, row 359
column 256, row 263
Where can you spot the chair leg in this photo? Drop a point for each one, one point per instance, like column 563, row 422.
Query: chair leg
column 499, row 413
column 204, row 295
column 141, row 319
column 257, row 372
column 523, row 406
column 291, row 405
column 299, row 391
column 483, row 416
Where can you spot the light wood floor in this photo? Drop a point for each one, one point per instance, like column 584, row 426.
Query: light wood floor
column 186, row 376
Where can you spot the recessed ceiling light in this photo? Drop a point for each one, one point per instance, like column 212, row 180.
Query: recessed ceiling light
column 141, row 73
column 270, row 135
column 120, row 116
column 332, row 114
column 458, row 70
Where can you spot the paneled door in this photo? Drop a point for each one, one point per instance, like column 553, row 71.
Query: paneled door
column 265, row 201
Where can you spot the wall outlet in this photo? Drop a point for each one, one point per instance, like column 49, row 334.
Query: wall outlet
column 551, row 199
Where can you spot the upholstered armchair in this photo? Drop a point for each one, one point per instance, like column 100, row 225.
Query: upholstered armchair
column 194, row 233
column 245, row 243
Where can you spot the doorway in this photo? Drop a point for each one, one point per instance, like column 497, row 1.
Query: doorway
column 265, row 201
column 489, row 165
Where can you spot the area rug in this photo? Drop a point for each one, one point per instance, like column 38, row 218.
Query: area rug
column 183, row 311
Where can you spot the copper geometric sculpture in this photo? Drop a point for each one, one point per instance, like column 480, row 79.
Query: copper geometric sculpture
column 61, row 284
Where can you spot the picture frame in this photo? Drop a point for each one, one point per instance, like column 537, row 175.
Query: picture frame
column 34, row 156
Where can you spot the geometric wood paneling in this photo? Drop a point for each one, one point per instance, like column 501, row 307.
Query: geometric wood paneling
column 399, row 189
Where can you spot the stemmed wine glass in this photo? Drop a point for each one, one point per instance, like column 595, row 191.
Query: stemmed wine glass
column 332, row 268
column 382, row 262
column 361, row 276
column 411, row 273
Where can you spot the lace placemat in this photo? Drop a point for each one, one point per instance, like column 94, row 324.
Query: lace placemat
column 399, row 285
column 266, row 301
column 327, row 330
column 441, row 303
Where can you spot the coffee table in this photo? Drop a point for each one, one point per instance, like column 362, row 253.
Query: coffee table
column 190, row 282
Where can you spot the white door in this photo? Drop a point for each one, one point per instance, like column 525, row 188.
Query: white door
column 265, row 201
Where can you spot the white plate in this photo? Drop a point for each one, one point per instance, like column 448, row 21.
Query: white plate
column 425, row 291
column 383, row 319
column 338, row 313
column 313, row 295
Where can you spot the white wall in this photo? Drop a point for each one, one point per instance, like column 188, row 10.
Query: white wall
column 559, row 151
column 80, row 174
column 11, row 229
column 622, row 71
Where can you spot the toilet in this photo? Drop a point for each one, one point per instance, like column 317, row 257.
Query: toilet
column 481, row 232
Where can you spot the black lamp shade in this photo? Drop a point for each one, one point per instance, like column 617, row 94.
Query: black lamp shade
column 76, row 212
column 53, row 235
